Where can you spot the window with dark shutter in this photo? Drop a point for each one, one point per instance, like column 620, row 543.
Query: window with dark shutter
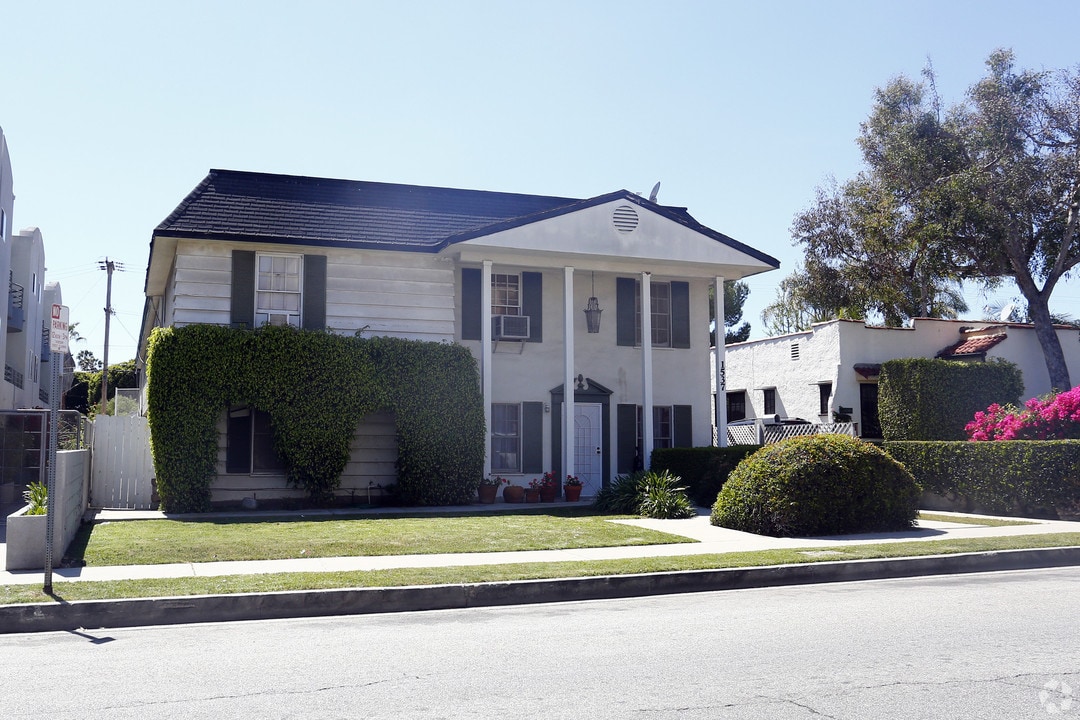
column 242, row 306
column 470, row 303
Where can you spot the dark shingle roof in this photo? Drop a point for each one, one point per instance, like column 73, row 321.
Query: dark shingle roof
column 246, row 206
column 318, row 211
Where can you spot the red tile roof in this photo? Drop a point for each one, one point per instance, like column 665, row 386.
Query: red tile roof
column 972, row 346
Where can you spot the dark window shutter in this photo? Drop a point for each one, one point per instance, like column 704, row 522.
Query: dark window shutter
column 314, row 292
column 238, row 442
column 626, row 421
column 532, row 301
column 242, row 309
column 470, row 303
column 682, row 434
column 680, row 314
column 625, row 297
column 532, row 437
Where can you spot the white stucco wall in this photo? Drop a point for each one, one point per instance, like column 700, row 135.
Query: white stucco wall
column 830, row 351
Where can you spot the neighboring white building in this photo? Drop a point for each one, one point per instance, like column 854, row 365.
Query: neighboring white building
column 506, row 275
column 26, row 319
column 7, row 205
column 22, row 324
column 833, row 367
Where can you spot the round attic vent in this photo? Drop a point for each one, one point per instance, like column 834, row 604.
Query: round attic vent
column 625, row 219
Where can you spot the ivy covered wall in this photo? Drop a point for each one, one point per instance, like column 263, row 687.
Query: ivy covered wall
column 316, row 386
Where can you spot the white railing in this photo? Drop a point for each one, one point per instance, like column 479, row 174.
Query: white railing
column 762, row 434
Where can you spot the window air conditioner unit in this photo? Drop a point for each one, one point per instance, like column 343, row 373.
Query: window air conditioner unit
column 278, row 319
column 510, row 327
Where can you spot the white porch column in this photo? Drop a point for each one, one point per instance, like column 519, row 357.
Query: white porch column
column 568, row 373
column 646, row 371
column 485, row 358
column 718, row 366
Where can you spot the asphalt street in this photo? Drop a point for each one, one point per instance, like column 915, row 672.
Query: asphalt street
column 991, row 645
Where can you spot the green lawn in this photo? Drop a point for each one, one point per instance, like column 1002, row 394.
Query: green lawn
column 153, row 542
column 70, row 591
column 965, row 520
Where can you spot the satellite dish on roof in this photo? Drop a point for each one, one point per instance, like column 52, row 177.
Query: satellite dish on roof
column 1006, row 312
column 655, row 190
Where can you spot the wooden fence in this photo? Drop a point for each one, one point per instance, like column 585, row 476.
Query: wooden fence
column 122, row 473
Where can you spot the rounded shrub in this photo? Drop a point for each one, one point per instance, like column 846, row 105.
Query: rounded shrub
column 818, row 485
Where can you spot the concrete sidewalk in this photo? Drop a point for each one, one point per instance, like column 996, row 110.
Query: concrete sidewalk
column 703, row 539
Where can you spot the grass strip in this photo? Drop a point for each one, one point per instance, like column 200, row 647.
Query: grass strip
column 154, row 542
column 968, row 520
column 66, row 592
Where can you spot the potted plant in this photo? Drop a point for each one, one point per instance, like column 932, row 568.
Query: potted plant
column 549, row 487
column 513, row 493
column 26, row 531
column 489, row 488
column 532, row 493
column 572, row 488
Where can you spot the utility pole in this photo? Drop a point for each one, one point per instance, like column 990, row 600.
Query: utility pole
column 108, row 266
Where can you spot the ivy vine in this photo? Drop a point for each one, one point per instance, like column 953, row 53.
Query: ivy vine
column 316, row 386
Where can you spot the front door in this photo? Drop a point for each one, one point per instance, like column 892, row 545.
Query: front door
column 868, row 410
column 588, row 441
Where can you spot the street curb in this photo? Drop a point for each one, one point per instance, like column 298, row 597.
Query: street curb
column 93, row 614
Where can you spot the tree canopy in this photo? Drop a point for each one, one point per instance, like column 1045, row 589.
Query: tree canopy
column 987, row 190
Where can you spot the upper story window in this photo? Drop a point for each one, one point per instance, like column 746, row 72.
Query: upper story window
column 661, row 314
column 278, row 288
column 505, row 294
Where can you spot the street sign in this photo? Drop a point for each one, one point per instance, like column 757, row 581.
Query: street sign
column 58, row 329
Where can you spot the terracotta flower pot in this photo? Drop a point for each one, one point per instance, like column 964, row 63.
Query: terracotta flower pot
column 513, row 494
column 532, row 495
column 487, row 493
column 547, row 494
column 573, row 492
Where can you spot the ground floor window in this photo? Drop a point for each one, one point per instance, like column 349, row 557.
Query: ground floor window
column 770, row 401
column 824, row 393
column 661, row 426
column 250, row 442
column 736, row 406
column 505, row 437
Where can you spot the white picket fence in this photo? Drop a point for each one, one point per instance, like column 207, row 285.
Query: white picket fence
column 122, row 472
column 749, row 434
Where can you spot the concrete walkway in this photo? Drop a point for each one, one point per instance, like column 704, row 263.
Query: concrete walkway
column 702, row 539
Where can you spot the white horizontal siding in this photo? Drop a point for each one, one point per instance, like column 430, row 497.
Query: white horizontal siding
column 408, row 295
column 399, row 294
column 200, row 288
column 373, row 454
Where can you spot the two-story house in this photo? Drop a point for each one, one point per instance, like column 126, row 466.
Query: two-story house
column 546, row 292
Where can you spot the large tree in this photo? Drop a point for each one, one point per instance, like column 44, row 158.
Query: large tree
column 735, row 294
column 987, row 190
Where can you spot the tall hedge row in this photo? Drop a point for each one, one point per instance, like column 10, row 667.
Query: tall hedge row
column 316, row 386
column 702, row 470
column 929, row 399
column 1025, row 477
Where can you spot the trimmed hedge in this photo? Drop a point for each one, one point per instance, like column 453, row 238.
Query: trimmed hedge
column 316, row 386
column 928, row 399
column 703, row 469
column 1024, row 477
column 818, row 485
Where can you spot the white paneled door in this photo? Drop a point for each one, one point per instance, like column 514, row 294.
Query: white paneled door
column 588, row 453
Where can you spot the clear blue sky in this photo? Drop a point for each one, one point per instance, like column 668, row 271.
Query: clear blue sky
column 114, row 111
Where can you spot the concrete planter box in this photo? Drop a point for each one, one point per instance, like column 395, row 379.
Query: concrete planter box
column 25, row 541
